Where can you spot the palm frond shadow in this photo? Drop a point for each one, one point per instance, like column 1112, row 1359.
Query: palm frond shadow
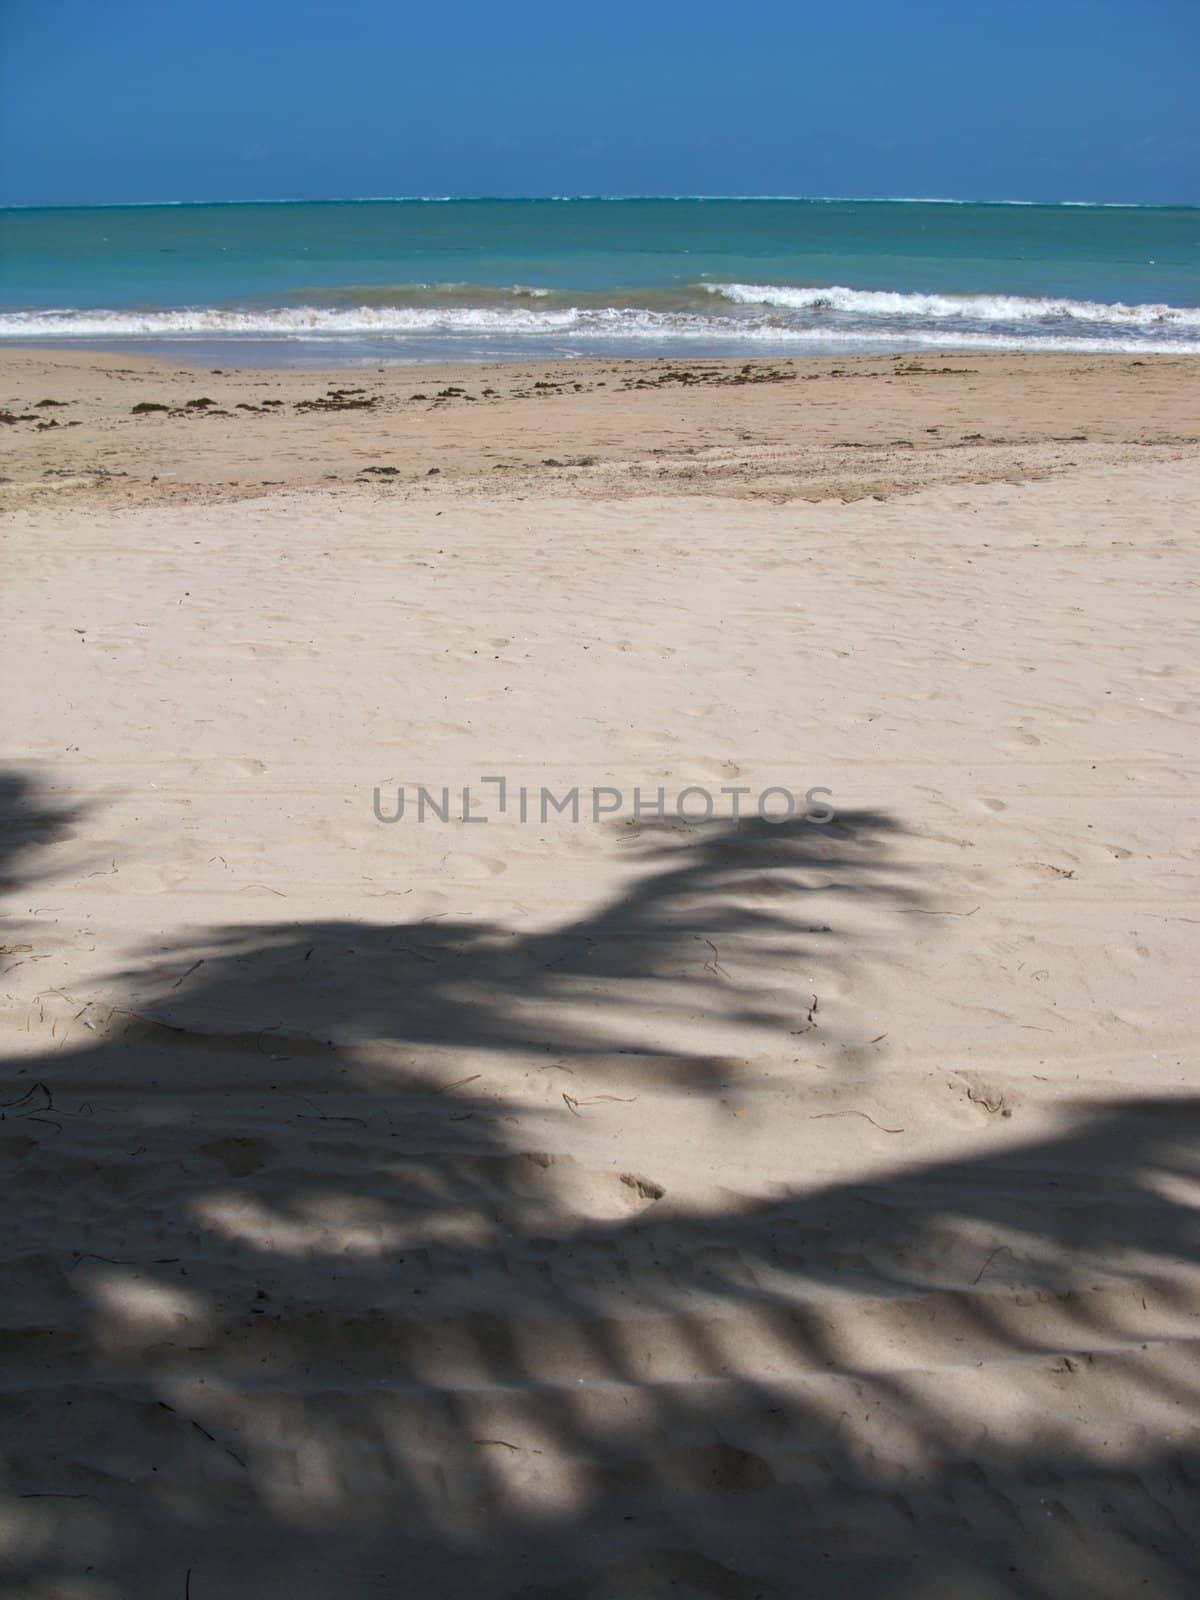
column 358, row 1336
column 30, row 820
column 715, row 928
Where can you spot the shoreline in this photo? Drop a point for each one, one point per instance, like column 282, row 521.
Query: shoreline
column 284, row 354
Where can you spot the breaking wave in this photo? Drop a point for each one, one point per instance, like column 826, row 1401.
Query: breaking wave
column 722, row 317
column 975, row 307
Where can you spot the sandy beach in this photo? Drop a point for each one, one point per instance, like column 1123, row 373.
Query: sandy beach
column 630, row 1205
column 846, row 428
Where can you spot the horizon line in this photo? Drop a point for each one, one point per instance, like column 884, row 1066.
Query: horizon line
column 568, row 199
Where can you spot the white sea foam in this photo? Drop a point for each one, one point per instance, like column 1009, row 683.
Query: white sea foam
column 294, row 321
column 744, row 315
column 976, row 308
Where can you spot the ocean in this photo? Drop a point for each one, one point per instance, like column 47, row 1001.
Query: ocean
column 375, row 281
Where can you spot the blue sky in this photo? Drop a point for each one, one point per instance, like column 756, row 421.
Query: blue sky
column 105, row 101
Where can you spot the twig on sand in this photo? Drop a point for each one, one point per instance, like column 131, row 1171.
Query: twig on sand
column 811, row 1021
column 988, row 1262
column 820, row 1115
column 714, row 966
column 919, row 911
column 30, row 1113
column 325, row 1116
column 11, row 1105
column 214, row 1440
column 458, row 1083
column 573, row 1103
column 503, row 1442
column 199, row 1427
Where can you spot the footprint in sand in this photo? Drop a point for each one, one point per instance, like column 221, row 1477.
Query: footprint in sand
column 644, row 1188
column 478, row 866
column 710, row 767
column 1021, row 737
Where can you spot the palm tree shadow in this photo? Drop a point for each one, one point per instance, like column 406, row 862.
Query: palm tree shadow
column 302, row 1310
column 30, row 821
column 715, row 928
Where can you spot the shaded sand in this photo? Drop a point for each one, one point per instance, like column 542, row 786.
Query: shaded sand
column 627, row 1209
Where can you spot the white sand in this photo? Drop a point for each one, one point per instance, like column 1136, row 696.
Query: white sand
column 620, row 1209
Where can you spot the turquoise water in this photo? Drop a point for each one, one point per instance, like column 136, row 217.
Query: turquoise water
column 351, row 281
